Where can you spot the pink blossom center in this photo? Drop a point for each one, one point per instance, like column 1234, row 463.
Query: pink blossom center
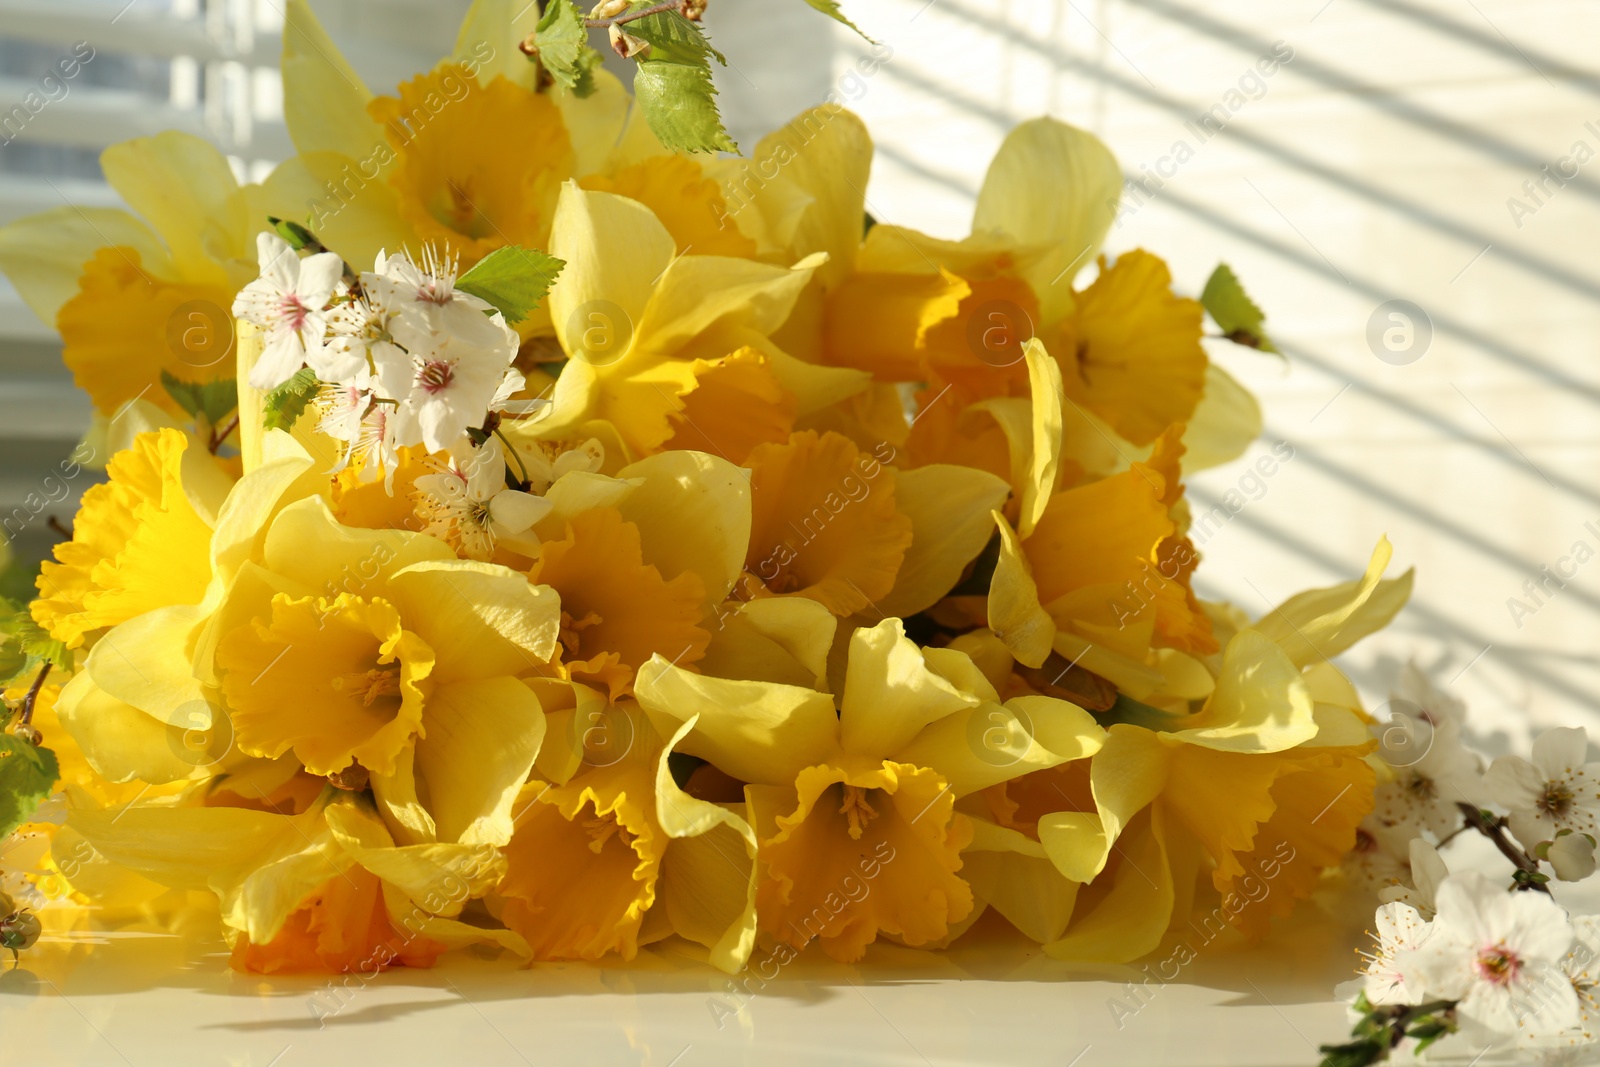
column 436, row 375
column 1498, row 965
column 292, row 311
column 432, row 292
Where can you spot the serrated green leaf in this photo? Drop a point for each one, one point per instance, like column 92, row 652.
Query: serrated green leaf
column 673, row 84
column 216, row 399
column 563, row 43
column 830, row 8
column 285, row 404
column 513, row 279
column 672, row 37
column 1233, row 311
column 27, row 776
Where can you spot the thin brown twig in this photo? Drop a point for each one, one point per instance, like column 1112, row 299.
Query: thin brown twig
column 220, row 435
column 26, row 718
column 1495, row 831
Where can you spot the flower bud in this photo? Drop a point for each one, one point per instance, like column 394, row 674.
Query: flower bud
column 1571, row 854
column 24, row 731
column 692, row 9
column 627, row 45
column 19, row 931
column 609, row 9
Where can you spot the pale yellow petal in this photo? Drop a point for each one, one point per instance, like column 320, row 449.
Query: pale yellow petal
column 773, row 639
column 1044, row 467
column 487, row 41
column 1011, row 873
column 307, row 544
column 1321, row 623
column 324, row 100
column 146, row 662
column 615, row 249
column 441, row 878
column 1224, row 423
column 1260, row 704
column 481, row 619
column 44, row 254
column 122, row 743
column 184, row 187
column 482, row 737
column 1129, row 921
column 978, row 747
column 949, row 509
column 891, row 692
column 754, row 731
column 1051, row 182
column 698, row 293
column 693, row 515
column 1015, row 614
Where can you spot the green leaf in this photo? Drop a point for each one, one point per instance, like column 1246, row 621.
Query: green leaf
column 1233, row 310
column 216, row 399
column 296, row 235
column 830, row 8
column 563, row 43
column 673, row 84
column 27, row 776
column 514, row 279
column 28, row 638
column 285, row 404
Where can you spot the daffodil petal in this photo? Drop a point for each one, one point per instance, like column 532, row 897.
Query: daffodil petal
column 121, row 743
column 1015, row 614
column 185, row 188
column 481, row 619
column 1321, row 623
column 1224, row 423
column 891, row 692
column 949, row 508
column 439, row 877
column 43, row 255
column 615, row 250
column 482, row 737
column 693, row 514
column 324, row 100
column 1260, row 704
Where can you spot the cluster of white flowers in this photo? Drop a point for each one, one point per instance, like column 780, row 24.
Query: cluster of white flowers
column 406, row 359
column 1497, row 955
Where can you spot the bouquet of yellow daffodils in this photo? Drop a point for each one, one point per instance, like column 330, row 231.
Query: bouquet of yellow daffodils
column 518, row 533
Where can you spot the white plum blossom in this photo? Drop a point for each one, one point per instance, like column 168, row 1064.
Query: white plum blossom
column 288, row 301
column 1498, row 954
column 1571, row 854
column 469, row 505
column 1581, row 968
column 359, row 337
column 1557, row 790
column 442, row 392
column 1399, row 929
column 1431, row 771
column 1430, row 703
column 427, row 307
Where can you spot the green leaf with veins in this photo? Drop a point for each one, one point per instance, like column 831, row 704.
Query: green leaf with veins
column 216, row 399
column 283, row 406
column 1234, row 312
column 830, row 8
column 563, row 43
column 513, row 279
column 28, row 774
column 673, row 84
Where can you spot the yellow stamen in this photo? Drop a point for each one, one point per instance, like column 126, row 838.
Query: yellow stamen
column 370, row 685
column 571, row 628
column 600, row 831
column 856, row 809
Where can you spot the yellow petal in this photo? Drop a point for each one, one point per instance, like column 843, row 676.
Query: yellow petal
column 982, row 746
column 597, row 123
column 687, row 201
column 1012, row 874
column 891, row 691
column 754, row 731
column 697, row 293
column 1044, row 467
column 814, row 201
column 1051, row 182
column 1015, row 614
column 44, row 254
column 146, row 662
column 360, row 217
column 324, row 101
column 1224, row 423
column 1260, row 704
column 693, row 515
column 948, row 506
column 186, row 189
column 1321, row 623
column 487, row 38
column 441, row 878
column 776, row 639
column 120, row 742
column 481, row 619
column 482, row 737
column 615, row 249
column 1133, row 913
column 306, row 545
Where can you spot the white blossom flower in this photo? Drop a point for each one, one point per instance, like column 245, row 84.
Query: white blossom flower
column 441, row 392
column 288, row 301
column 1378, row 860
column 469, row 506
column 1427, row 871
column 1558, row 790
column 1399, row 929
column 1581, row 968
column 1497, row 953
column 427, row 307
column 359, row 337
column 1432, row 705
column 1432, row 772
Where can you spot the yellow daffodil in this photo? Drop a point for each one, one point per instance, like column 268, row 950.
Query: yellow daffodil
column 619, row 855
column 672, row 350
column 135, row 294
column 854, row 809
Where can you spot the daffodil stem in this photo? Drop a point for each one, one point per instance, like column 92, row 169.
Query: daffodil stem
column 1495, row 832
column 26, row 718
column 511, row 450
column 631, row 16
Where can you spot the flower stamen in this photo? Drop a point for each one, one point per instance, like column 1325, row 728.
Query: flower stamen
column 857, row 810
